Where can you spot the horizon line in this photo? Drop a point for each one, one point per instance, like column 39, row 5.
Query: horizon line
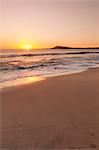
column 93, row 47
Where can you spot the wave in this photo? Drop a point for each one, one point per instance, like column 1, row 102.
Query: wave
column 46, row 54
column 48, row 63
column 27, row 66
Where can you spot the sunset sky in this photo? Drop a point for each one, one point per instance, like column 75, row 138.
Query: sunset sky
column 47, row 23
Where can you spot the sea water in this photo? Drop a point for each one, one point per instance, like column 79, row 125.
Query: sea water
column 16, row 64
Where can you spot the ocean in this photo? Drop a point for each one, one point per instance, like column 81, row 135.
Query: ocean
column 15, row 64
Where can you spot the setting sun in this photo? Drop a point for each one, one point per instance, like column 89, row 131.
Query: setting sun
column 27, row 46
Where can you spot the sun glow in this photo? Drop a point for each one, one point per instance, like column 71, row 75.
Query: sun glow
column 27, row 46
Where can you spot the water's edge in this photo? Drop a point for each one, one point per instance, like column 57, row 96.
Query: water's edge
column 33, row 79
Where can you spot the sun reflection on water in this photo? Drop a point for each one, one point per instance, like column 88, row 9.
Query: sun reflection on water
column 21, row 81
column 33, row 79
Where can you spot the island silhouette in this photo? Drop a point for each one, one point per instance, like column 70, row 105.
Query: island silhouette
column 66, row 47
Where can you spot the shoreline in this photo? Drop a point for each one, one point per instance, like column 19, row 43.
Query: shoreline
column 32, row 79
column 60, row 112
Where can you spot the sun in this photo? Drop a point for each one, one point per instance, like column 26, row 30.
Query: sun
column 27, row 46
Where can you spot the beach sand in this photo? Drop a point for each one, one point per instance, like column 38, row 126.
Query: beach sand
column 59, row 112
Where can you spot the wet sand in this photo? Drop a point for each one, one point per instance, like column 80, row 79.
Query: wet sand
column 59, row 112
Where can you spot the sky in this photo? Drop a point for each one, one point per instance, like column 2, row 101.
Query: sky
column 47, row 23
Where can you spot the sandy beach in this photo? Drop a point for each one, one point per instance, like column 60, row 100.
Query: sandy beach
column 59, row 112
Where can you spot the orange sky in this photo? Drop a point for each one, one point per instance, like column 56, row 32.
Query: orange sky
column 47, row 23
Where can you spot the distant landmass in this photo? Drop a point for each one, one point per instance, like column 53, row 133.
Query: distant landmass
column 65, row 47
column 60, row 47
